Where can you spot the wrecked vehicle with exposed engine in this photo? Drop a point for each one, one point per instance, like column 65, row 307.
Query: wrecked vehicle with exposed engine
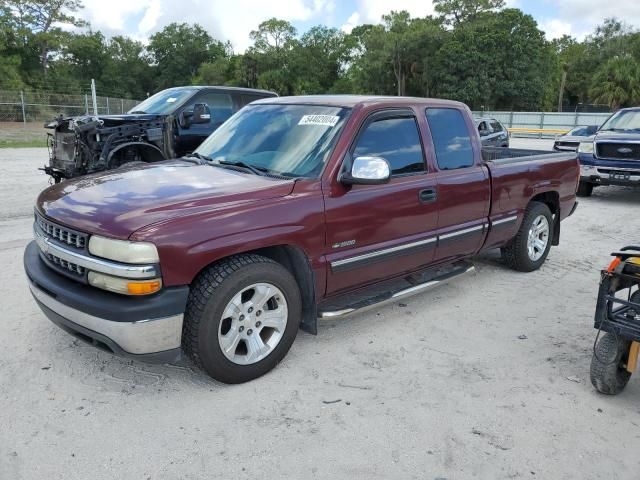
column 169, row 124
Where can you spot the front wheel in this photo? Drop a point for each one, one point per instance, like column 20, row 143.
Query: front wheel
column 585, row 189
column 609, row 373
column 530, row 247
column 242, row 317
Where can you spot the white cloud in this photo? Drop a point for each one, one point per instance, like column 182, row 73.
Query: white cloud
column 225, row 20
column 584, row 15
column 111, row 15
column 371, row 11
column 352, row 22
column 234, row 19
column 596, row 10
column 151, row 16
column 555, row 28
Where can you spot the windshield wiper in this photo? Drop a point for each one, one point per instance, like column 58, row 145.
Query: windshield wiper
column 261, row 171
column 202, row 158
column 137, row 111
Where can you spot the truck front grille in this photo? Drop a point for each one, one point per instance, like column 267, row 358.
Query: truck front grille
column 62, row 234
column 64, row 148
column 65, row 265
column 619, row 151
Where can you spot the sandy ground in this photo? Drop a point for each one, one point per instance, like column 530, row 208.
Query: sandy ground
column 486, row 377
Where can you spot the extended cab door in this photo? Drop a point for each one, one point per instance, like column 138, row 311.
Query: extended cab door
column 464, row 187
column 377, row 231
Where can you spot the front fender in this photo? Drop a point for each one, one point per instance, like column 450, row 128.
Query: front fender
column 150, row 152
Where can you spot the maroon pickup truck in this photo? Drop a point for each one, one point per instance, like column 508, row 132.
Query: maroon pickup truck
column 295, row 209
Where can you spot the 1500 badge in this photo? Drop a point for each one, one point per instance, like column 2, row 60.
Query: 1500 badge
column 346, row 243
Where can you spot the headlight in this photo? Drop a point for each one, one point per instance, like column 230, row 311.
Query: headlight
column 123, row 250
column 124, row 285
column 585, row 147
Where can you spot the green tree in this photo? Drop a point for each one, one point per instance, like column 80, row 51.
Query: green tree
column 617, row 82
column 40, row 22
column 274, row 43
column 568, row 58
column 460, row 11
column 501, row 60
column 10, row 63
column 396, row 57
column 318, row 59
column 218, row 72
column 370, row 70
column 128, row 71
column 178, row 50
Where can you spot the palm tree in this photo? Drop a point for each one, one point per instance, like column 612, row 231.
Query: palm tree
column 617, row 82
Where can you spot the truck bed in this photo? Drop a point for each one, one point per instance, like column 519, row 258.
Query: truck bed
column 504, row 156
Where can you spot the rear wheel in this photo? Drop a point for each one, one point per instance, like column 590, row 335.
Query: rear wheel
column 585, row 189
column 609, row 374
column 242, row 317
column 531, row 245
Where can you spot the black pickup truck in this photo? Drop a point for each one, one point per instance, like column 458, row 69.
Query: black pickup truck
column 169, row 124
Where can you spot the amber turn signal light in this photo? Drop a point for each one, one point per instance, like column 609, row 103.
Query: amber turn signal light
column 143, row 288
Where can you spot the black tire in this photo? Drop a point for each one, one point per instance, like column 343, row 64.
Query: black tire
column 210, row 293
column 585, row 189
column 516, row 255
column 608, row 365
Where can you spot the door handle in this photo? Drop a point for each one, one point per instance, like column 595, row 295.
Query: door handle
column 428, row 195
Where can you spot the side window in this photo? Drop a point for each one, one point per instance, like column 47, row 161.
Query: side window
column 396, row 140
column 220, row 104
column 247, row 99
column 495, row 125
column 451, row 138
column 483, row 128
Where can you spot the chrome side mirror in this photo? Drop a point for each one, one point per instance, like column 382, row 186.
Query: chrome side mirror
column 367, row 171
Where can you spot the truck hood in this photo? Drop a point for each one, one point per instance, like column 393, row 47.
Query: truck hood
column 575, row 138
column 108, row 120
column 119, row 202
column 618, row 137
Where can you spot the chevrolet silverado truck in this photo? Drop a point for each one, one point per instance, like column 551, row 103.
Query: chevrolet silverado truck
column 612, row 157
column 169, row 124
column 296, row 209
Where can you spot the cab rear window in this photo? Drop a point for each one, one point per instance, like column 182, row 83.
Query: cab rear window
column 451, row 138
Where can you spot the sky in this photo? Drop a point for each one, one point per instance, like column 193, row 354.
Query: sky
column 233, row 19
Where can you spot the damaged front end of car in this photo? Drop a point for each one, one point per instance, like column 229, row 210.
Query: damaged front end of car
column 87, row 144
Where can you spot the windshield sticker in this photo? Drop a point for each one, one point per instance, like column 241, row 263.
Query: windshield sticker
column 323, row 120
column 171, row 99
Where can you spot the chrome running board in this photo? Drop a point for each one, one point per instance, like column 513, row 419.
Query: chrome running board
column 391, row 296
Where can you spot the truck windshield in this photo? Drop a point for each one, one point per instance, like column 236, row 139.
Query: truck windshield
column 288, row 140
column 163, row 102
column 624, row 120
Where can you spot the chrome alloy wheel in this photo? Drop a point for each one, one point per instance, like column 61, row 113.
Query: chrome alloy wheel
column 253, row 323
column 538, row 238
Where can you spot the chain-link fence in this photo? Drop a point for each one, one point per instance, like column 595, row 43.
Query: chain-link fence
column 25, row 106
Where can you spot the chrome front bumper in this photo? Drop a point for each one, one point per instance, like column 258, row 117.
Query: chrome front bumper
column 602, row 175
column 135, row 338
column 147, row 328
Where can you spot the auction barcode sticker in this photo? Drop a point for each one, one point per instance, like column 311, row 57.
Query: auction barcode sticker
column 324, row 120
